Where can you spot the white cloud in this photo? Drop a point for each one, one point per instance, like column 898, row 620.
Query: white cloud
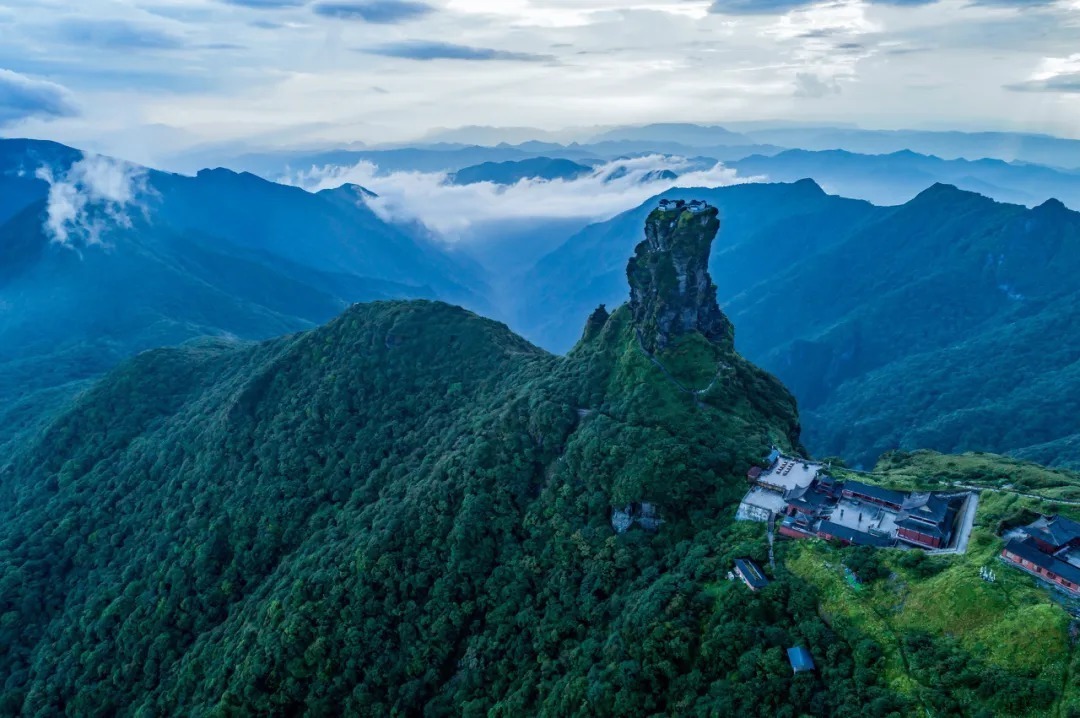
column 91, row 195
column 452, row 212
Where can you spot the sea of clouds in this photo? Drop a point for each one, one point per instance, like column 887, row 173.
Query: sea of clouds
column 452, row 212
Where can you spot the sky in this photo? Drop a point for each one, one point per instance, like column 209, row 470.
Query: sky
column 145, row 79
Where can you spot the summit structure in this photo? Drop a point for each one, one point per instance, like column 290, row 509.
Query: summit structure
column 671, row 292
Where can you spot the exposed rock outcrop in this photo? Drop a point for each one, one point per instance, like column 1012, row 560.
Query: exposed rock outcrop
column 644, row 514
column 671, row 292
column 595, row 323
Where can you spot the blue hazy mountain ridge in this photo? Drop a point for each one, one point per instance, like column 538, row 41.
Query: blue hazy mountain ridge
column 19, row 161
column 219, row 254
column 898, row 177
column 689, row 134
column 942, row 323
column 513, row 171
column 956, row 334
column 1008, row 146
column 686, row 139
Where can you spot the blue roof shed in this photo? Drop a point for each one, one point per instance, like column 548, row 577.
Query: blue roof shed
column 800, row 658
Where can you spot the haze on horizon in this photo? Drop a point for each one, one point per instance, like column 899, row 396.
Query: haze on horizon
column 144, row 79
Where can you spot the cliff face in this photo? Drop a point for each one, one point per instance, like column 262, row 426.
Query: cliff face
column 671, row 292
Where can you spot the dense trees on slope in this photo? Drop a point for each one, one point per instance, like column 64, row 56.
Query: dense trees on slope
column 401, row 512
column 408, row 512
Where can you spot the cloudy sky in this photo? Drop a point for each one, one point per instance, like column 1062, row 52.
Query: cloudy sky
column 145, row 78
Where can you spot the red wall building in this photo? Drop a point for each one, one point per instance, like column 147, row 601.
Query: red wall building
column 1026, row 555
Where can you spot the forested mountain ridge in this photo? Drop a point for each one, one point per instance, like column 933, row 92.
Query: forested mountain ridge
column 407, row 510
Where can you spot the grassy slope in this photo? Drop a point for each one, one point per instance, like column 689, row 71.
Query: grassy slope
column 1014, row 624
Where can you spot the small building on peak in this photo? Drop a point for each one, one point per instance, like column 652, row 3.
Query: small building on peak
column 696, row 206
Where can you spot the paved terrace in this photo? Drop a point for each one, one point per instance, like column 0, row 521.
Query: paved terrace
column 874, row 518
column 759, row 504
column 790, row 474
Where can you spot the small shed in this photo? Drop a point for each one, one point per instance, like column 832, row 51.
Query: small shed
column 751, row 574
column 800, row 659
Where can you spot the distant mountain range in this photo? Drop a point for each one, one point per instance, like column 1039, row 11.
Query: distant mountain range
column 942, row 323
column 887, row 179
column 221, row 254
column 1008, row 146
column 452, row 150
column 897, row 177
column 876, row 166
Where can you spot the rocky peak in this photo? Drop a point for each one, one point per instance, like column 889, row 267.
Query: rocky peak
column 596, row 323
column 671, row 292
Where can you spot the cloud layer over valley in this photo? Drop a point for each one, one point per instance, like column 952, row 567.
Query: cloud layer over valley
column 455, row 212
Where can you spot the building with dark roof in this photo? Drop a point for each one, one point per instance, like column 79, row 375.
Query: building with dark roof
column 874, row 495
column 798, row 526
column 1053, row 533
column 836, row 532
column 922, row 534
column 809, row 500
column 800, row 659
column 927, row 520
column 751, row 574
column 1027, row 555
